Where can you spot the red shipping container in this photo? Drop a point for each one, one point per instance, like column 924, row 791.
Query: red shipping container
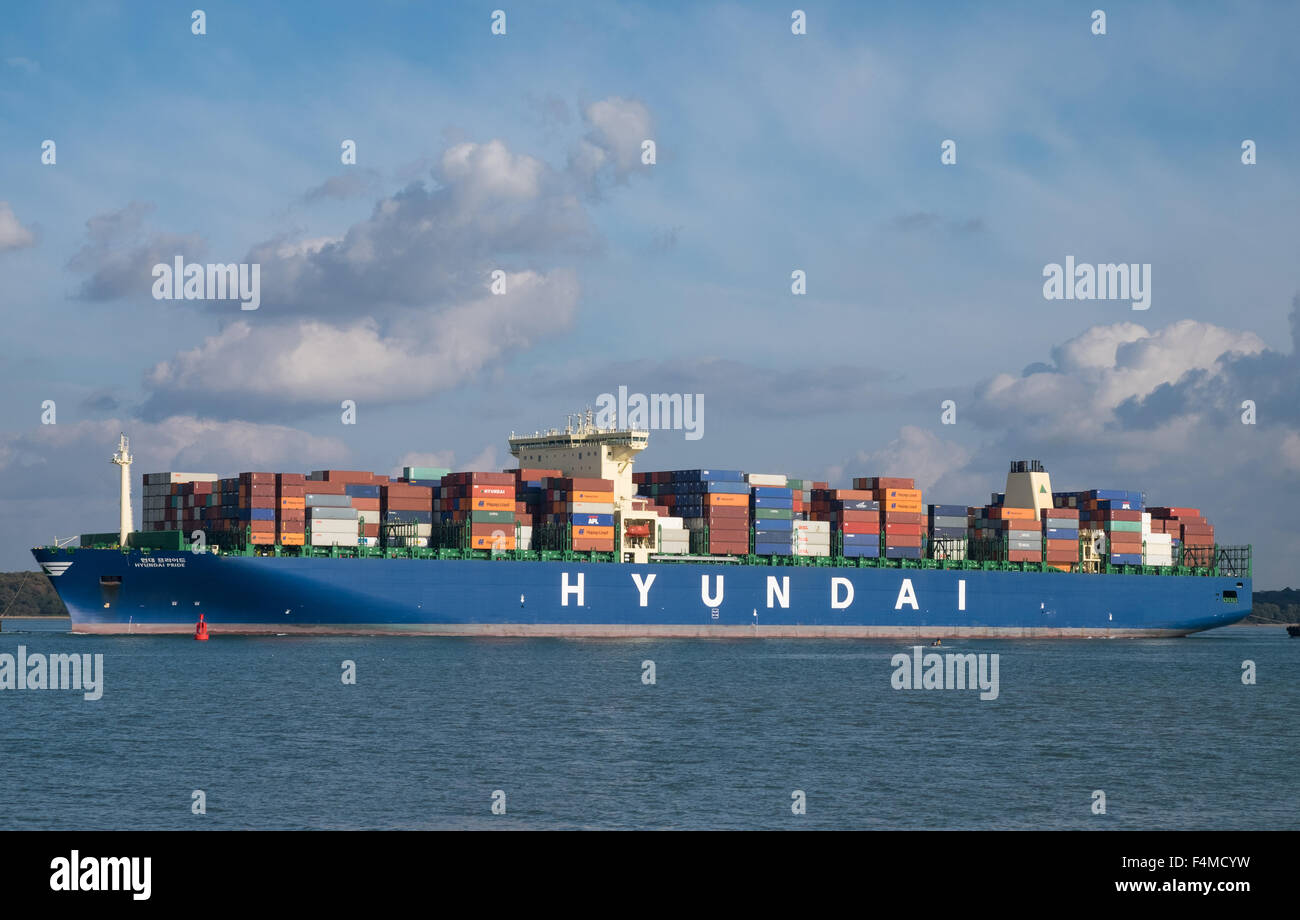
column 592, row 546
column 893, row 529
column 903, row 517
column 736, row 548
column 1119, row 515
column 320, row 487
column 902, row 540
column 870, row 517
column 286, row 479
column 402, row 490
column 535, row 475
column 1025, row 555
column 859, row 527
column 1070, row 513
column 409, row 504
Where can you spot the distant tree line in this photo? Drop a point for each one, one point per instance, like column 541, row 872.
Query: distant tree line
column 29, row 594
column 1275, row 606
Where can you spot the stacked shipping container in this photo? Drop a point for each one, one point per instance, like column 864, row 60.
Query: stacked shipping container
column 291, row 509
column 902, row 515
column 854, row 519
column 585, row 505
column 946, row 526
column 167, row 496
column 702, row 511
column 772, row 511
column 483, row 502
column 1061, row 537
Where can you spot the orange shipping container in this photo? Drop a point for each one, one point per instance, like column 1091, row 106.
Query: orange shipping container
column 901, row 495
column 909, row 507
column 603, row 498
column 492, row 504
column 292, row 539
column 495, row 543
column 1011, row 514
column 594, row 546
column 293, row 504
column 593, row 533
column 727, row 500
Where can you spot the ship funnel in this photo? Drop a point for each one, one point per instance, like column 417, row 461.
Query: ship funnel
column 124, row 460
column 1029, row 486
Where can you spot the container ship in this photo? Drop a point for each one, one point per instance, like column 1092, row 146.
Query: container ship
column 572, row 543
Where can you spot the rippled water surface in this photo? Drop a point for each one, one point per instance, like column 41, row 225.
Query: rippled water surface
column 574, row 738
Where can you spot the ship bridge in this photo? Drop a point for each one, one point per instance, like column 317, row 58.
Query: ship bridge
column 581, row 448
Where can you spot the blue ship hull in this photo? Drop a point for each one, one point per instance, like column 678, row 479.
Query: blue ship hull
column 109, row 591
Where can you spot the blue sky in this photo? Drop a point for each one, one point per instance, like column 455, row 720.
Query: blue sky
column 775, row 152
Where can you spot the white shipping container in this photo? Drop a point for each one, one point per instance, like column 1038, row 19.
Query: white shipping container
column 333, row 539
column 812, row 539
column 591, row 507
column 331, row 526
column 812, row 527
column 812, row 551
column 771, row 480
column 333, row 514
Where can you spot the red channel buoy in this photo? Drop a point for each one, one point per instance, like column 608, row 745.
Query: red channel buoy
column 201, row 630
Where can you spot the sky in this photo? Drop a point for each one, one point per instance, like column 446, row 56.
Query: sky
column 524, row 153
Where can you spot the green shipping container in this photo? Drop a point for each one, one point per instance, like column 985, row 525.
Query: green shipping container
column 492, row 517
column 1125, row 526
column 424, row 472
column 773, row 514
column 159, row 539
